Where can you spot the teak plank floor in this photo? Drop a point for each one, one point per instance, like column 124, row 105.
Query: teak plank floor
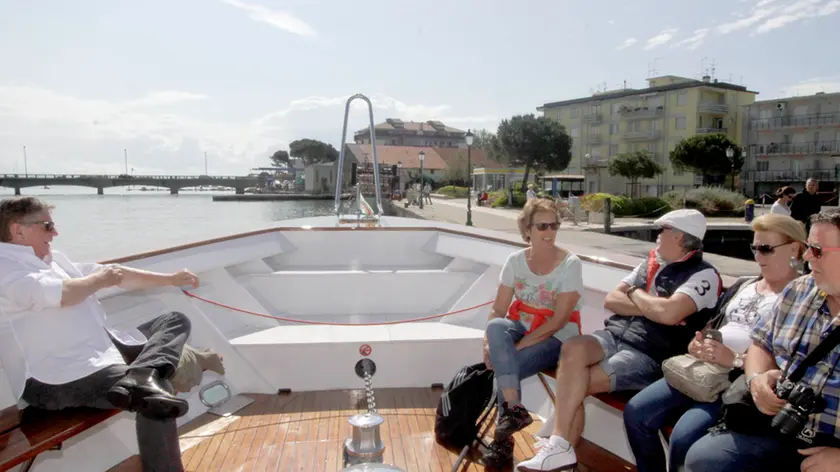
column 306, row 432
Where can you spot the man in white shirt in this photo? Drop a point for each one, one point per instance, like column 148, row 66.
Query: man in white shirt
column 56, row 348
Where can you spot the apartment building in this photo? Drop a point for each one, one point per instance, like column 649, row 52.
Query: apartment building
column 654, row 119
column 396, row 132
column 790, row 140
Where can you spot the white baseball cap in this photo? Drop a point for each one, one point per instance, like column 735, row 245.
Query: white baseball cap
column 688, row 221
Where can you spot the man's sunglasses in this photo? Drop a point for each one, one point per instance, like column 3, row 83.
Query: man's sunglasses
column 49, row 226
column 818, row 251
column 766, row 249
column 546, row 226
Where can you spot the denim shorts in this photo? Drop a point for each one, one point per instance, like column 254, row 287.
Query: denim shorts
column 627, row 368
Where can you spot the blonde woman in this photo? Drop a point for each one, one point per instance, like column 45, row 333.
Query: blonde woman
column 777, row 239
column 537, row 307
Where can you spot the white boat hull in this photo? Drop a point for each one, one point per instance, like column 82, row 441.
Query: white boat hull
column 309, row 270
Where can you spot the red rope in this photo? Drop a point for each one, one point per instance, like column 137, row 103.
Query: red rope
column 329, row 323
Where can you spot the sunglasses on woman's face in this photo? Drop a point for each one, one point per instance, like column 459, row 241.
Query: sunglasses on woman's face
column 818, row 251
column 546, row 226
column 766, row 249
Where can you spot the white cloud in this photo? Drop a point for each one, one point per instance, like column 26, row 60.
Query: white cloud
column 627, row 43
column 811, row 86
column 167, row 97
column 70, row 134
column 278, row 19
column 695, row 40
column 768, row 15
column 662, row 38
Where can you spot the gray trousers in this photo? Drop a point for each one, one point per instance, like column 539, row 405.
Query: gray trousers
column 157, row 439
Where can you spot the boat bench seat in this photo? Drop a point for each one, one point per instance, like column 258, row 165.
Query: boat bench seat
column 26, row 433
column 617, row 400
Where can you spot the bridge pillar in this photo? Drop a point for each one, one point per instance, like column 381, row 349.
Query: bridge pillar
column 173, row 191
column 17, row 190
column 100, row 191
column 240, row 191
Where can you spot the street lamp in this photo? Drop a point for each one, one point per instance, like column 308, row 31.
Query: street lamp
column 469, row 139
column 25, row 165
column 730, row 154
column 399, row 177
column 422, row 157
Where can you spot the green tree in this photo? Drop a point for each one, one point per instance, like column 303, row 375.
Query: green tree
column 705, row 154
column 535, row 143
column 313, row 151
column 456, row 170
column 280, row 158
column 634, row 166
column 487, row 141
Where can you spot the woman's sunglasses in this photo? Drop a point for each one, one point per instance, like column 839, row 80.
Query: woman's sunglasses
column 817, row 251
column 546, row 226
column 766, row 249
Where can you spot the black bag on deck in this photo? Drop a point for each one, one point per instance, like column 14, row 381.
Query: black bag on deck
column 461, row 404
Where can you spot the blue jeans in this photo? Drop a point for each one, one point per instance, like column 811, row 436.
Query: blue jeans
column 510, row 365
column 651, row 410
column 730, row 452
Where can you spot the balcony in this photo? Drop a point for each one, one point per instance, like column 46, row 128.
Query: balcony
column 595, row 163
column 819, row 147
column 595, row 139
column 789, row 175
column 796, row 121
column 651, row 135
column 710, row 130
column 593, row 118
column 713, row 108
column 641, row 113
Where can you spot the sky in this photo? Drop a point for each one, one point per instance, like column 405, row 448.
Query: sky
column 84, row 83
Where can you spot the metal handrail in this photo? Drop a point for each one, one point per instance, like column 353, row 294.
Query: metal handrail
column 340, row 170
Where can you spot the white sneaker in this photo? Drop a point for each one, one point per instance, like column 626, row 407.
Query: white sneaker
column 549, row 458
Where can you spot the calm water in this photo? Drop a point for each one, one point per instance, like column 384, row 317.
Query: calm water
column 95, row 227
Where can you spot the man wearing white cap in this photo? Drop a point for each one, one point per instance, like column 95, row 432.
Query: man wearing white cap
column 658, row 308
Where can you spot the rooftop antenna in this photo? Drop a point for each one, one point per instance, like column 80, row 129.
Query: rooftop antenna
column 703, row 66
column 712, row 74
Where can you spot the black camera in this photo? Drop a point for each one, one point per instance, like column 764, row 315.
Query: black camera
column 802, row 402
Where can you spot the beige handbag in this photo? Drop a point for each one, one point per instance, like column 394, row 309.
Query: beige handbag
column 701, row 380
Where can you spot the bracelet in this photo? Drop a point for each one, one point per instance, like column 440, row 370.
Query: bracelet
column 750, row 379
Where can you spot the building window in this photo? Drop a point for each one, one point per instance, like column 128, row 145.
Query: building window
column 762, row 165
column 615, row 108
column 573, row 113
column 594, row 130
column 613, row 150
column 682, row 98
column 679, row 123
column 614, row 128
column 575, row 132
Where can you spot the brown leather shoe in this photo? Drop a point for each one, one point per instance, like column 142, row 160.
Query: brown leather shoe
column 141, row 391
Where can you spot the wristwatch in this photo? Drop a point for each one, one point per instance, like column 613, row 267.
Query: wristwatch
column 631, row 290
column 738, row 362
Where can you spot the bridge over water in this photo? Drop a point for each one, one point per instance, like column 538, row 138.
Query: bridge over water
column 101, row 182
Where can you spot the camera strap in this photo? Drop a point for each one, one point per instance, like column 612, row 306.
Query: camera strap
column 823, row 348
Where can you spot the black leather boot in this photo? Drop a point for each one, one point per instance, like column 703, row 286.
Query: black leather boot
column 142, row 391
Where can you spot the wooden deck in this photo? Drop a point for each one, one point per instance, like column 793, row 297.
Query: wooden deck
column 306, row 431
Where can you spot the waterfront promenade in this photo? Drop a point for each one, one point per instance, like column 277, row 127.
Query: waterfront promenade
column 584, row 236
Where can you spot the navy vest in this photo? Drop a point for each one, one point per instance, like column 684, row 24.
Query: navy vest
column 657, row 340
